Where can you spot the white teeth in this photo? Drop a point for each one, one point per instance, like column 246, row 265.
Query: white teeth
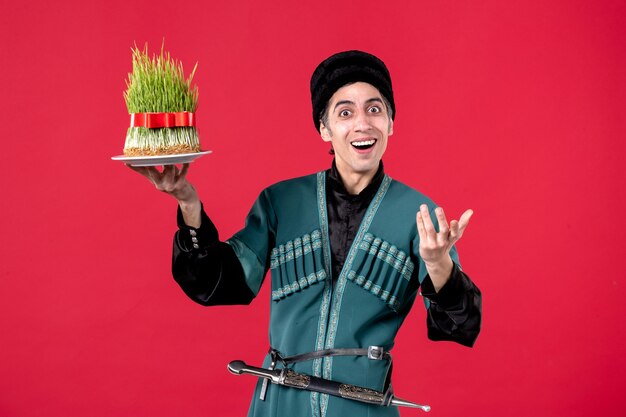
column 364, row 142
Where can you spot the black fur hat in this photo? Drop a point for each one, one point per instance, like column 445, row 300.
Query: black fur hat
column 345, row 68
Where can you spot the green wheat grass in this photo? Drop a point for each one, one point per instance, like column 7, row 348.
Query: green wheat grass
column 157, row 84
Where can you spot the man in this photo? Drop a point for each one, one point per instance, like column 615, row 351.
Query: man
column 348, row 249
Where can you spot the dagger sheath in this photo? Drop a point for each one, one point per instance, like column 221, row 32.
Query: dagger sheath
column 325, row 386
column 289, row 378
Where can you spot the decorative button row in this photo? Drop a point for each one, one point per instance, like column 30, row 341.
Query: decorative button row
column 194, row 239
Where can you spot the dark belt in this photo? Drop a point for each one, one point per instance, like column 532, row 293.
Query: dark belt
column 373, row 352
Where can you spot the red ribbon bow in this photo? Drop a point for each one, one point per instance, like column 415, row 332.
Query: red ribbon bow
column 159, row 120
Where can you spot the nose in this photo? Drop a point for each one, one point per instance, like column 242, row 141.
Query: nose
column 362, row 122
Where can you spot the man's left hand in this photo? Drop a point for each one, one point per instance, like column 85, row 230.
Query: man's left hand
column 435, row 246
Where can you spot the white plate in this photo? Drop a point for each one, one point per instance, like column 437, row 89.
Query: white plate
column 150, row 161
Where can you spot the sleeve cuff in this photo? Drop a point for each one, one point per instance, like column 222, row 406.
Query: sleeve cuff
column 451, row 294
column 194, row 239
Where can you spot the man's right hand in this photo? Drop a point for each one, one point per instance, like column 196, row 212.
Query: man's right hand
column 173, row 181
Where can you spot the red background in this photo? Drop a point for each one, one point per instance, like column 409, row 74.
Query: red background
column 515, row 109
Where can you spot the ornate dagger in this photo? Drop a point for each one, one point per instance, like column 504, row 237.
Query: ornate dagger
column 292, row 379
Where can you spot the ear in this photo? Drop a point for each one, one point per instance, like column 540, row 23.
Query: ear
column 390, row 128
column 325, row 132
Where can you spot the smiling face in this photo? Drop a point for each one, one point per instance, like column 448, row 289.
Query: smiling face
column 358, row 125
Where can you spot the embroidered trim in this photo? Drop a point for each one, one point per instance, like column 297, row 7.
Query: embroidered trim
column 321, row 328
column 341, row 281
column 321, row 205
column 296, row 265
column 390, row 254
column 295, row 249
column 298, row 285
column 377, row 290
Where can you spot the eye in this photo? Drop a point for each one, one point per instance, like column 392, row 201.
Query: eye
column 344, row 113
column 374, row 109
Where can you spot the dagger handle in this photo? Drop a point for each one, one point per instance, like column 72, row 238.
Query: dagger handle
column 240, row 367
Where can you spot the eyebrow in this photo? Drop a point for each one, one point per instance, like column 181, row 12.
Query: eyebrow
column 371, row 100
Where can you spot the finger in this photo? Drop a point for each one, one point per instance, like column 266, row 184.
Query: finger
column 183, row 171
column 169, row 173
column 428, row 224
column 420, row 226
column 151, row 173
column 443, row 223
column 154, row 174
column 136, row 169
column 454, row 231
column 464, row 220
column 140, row 169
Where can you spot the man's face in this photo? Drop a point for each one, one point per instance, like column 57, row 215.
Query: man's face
column 358, row 127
